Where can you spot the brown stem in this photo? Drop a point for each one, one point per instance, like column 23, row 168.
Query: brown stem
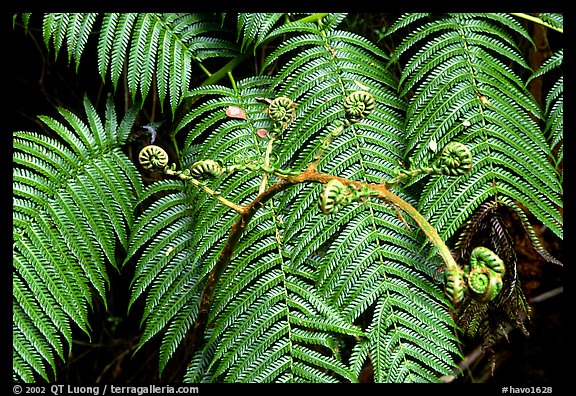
column 248, row 212
column 226, row 256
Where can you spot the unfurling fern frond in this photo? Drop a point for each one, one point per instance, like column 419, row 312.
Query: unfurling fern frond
column 286, row 237
column 72, row 202
column 362, row 244
column 183, row 232
column 490, row 321
column 150, row 46
column 460, row 87
column 277, row 298
column 279, row 312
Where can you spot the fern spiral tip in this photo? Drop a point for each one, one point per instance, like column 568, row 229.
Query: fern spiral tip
column 153, row 157
column 482, row 277
column 358, row 105
column 484, row 285
column 336, row 195
column 485, row 273
column 332, row 196
column 205, row 168
column 282, row 109
column 455, row 160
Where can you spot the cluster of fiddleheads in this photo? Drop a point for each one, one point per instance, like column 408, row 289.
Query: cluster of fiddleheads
column 482, row 277
column 357, row 105
column 281, row 110
column 155, row 158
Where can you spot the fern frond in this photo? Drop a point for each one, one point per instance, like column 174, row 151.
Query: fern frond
column 72, row 29
column 555, row 122
column 190, row 224
column 404, row 347
column 55, row 27
column 24, row 17
column 72, row 202
column 298, row 281
column 460, row 88
column 262, row 298
column 147, row 45
column 405, row 20
column 254, row 28
column 553, row 18
column 555, row 61
column 368, row 251
column 554, row 108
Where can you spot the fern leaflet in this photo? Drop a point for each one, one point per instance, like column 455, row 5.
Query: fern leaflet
column 72, row 201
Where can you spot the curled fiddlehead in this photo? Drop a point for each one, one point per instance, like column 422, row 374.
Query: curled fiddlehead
column 482, row 277
column 336, row 195
column 282, row 109
column 205, row 168
column 455, row 160
column 455, row 286
column 331, row 198
column 358, row 105
column 484, row 273
column 153, row 157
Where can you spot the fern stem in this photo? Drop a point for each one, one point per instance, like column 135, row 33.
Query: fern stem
column 176, row 150
column 310, row 175
column 312, row 18
column 232, row 81
column 228, row 67
column 537, row 20
column 204, row 69
column 247, row 213
column 226, row 254
column 266, row 165
column 425, row 226
column 215, row 194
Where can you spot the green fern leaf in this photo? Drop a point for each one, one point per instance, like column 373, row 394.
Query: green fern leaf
column 73, row 200
column 298, row 282
column 463, row 90
column 147, row 45
column 554, row 105
column 555, row 121
column 365, row 245
column 72, row 29
column 254, row 28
